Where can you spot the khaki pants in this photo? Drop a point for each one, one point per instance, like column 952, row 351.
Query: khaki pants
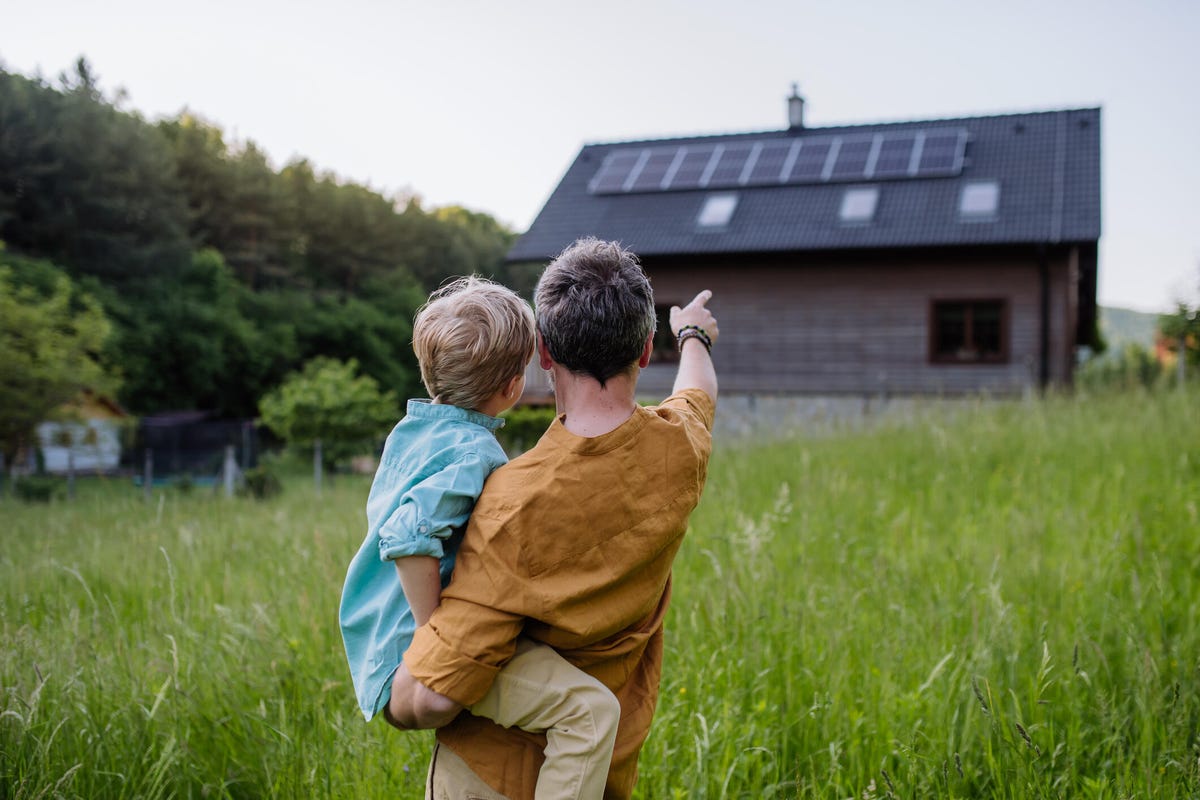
column 539, row 691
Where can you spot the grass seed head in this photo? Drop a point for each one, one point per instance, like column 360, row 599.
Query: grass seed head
column 888, row 780
column 979, row 695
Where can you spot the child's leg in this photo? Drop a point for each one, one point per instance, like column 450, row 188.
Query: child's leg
column 539, row 691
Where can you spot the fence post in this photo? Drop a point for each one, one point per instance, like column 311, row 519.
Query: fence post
column 148, row 475
column 1179, row 364
column 229, row 470
column 71, row 468
column 317, row 465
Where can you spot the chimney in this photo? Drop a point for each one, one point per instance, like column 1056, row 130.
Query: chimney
column 795, row 109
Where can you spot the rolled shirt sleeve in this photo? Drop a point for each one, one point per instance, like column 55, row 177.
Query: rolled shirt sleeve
column 429, row 511
column 438, row 662
column 473, row 632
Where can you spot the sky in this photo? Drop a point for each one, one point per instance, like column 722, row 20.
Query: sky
column 486, row 104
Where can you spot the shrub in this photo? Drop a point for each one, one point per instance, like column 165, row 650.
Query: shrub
column 260, row 483
column 1132, row 367
column 39, row 488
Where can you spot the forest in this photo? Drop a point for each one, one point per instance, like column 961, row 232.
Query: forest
column 166, row 266
column 187, row 271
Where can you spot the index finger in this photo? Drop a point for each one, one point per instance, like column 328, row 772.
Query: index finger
column 701, row 299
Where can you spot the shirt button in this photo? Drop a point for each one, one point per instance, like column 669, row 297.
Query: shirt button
column 423, row 529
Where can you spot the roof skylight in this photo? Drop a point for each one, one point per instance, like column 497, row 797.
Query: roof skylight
column 858, row 204
column 717, row 210
column 979, row 200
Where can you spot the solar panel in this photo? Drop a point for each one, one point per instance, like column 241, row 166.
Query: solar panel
column 691, row 166
column 613, row 172
column 810, row 161
column 751, row 160
column 676, row 163
column 895, row 153
column 942, row 153
column 654, row 170
column 728, row 171
column 909, row 153
column 851, row 163
column 768, row 167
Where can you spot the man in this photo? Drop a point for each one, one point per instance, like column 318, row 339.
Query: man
column 571, row 544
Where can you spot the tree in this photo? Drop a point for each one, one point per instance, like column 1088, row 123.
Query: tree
column 189, row 342
column 1183, row 326
column 218, row 272
column 1180, row 332
column 86, row 185
column 329, row 406
column 1132, row 366
column 51, row 339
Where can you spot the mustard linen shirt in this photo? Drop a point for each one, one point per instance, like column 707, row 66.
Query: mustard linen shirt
column 571, row 545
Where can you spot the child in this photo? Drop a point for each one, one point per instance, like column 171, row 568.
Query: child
column 473, row 340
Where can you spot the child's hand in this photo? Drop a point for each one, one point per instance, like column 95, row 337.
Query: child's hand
column 695, row 313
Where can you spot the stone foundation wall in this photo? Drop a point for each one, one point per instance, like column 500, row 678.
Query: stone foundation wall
column 761, row 417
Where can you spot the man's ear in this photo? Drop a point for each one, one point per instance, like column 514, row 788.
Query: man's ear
column 644, row 360
column 544, row 359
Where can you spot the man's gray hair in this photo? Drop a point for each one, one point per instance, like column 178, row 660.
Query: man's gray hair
column 595, row 309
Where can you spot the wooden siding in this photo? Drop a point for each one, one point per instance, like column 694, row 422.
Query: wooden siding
column 861, row 326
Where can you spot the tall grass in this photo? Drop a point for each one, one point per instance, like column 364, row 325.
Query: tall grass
column 1001, row 604
column 996, row 603
column 186, row 648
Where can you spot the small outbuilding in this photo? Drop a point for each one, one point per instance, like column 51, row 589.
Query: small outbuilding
column 85, row 435
column 943, row 256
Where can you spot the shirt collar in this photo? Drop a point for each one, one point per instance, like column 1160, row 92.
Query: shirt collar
column 605, row 442
column 427, row 409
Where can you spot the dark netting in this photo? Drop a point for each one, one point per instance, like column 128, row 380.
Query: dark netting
column 190, row 445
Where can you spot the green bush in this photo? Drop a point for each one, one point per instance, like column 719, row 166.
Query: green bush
column 184, row 484
column 523, row 426
column 1132, row 367
column 39, row 488
column 260, row 483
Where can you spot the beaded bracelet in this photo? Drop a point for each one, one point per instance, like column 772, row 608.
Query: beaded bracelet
column 693, row 332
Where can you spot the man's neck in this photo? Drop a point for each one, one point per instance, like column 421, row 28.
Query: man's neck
column 591, row 410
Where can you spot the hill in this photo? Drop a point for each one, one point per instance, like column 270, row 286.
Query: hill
column 1122, row 326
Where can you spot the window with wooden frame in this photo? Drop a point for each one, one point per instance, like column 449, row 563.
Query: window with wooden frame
column 665, row 350
column 968, row 332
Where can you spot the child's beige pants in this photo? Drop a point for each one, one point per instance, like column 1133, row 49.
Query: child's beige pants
column 538, row 691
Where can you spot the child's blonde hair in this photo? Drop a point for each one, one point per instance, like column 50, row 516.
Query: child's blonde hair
column 471, row 338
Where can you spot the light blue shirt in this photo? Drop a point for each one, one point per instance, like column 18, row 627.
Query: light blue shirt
column 430, row 474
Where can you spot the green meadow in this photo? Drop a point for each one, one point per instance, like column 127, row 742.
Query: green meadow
column 997, row 600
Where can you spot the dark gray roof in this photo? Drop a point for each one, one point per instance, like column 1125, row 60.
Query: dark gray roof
column 1047, row 165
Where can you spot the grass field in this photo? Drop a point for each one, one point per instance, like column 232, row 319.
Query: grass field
column 999, row 602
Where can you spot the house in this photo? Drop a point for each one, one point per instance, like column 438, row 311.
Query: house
column 945, row 256
column 85, row 435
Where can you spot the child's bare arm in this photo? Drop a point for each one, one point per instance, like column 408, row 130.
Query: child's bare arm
column 421, row 583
